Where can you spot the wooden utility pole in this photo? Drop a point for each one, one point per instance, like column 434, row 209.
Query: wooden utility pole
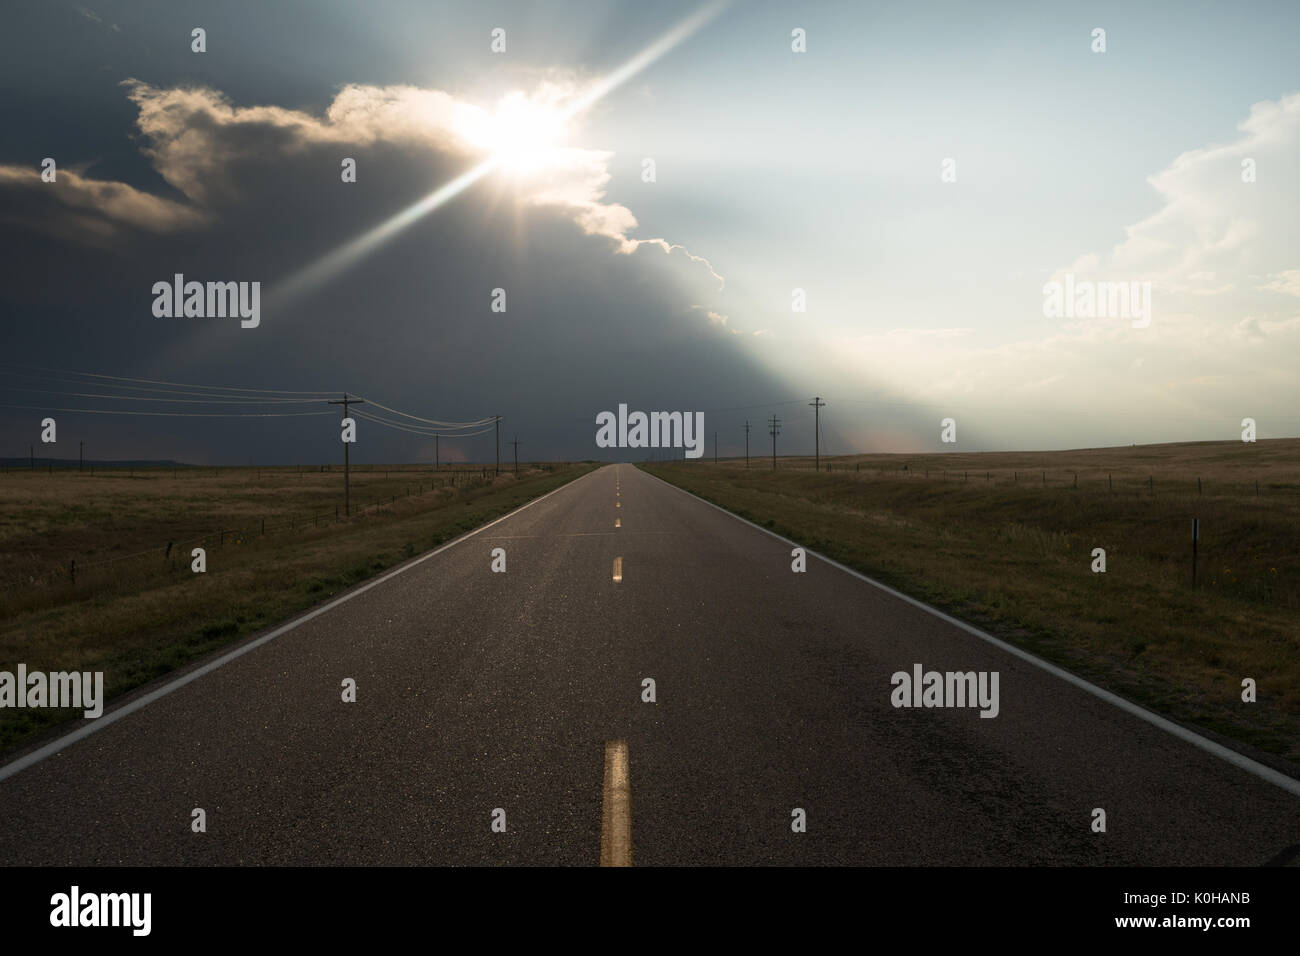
column 516, row 444
column 747, row 443
column 498, row 421
column 817, row 406
column 347, row 457
column 774, row 429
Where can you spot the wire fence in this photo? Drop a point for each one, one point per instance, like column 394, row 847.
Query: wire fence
column 1029, row 478
column 46, row 581
column 1230, row 534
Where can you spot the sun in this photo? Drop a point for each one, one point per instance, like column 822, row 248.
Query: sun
column 522, row 135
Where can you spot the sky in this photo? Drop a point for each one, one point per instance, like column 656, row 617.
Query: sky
column 915, row 177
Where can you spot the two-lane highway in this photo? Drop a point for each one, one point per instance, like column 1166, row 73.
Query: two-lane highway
column 479, row 690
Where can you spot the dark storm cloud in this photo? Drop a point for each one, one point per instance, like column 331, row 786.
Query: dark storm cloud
column 593, row 318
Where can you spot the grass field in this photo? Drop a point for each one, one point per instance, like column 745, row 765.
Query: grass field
column 136, row 610
column 1005, row 541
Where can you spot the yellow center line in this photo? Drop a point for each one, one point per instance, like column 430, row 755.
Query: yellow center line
column 618, row 570
column 616, row 807
column 618, row 522
column 569, row 534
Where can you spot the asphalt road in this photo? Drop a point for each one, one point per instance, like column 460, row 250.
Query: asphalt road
column 479, row 690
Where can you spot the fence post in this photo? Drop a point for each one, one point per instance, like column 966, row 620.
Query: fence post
column 1196, row 534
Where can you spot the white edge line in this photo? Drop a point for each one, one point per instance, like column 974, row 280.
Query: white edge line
column 1264, row 772
column 113, row 716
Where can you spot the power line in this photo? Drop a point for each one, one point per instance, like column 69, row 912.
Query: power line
column 432, row 421
column 148, row 381
column 217, row 400
column 419, row 429
column 144, row 388
column 213, row 391
column 113, row 389
column 104, row 411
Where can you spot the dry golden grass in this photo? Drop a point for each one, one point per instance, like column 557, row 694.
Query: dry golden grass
column 1014, row 555
column 139, row 618
column 49, row 520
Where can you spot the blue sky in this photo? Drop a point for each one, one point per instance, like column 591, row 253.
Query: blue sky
column 817, row 170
